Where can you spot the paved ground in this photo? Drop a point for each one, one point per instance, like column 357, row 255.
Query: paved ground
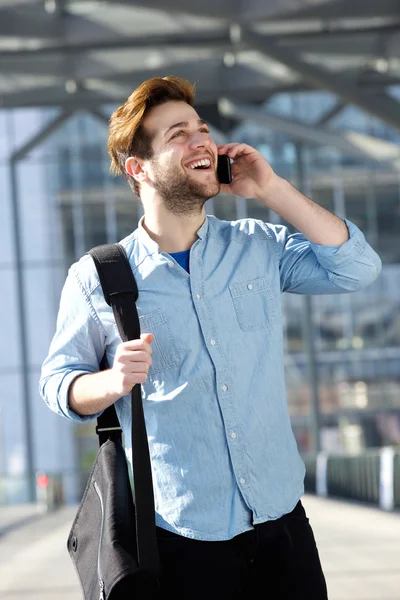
column 359, row 547
column 34, row 563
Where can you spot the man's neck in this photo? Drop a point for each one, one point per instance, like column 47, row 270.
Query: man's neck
column 173, row 233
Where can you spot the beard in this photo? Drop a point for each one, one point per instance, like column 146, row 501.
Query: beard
column 182, row 195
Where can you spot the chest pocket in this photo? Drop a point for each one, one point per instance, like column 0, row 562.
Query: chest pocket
column 165, row 353
column 254, row 304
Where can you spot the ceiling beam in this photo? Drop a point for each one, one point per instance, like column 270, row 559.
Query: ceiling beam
column 331, row 113
column 56, row 96
column 384, row 108
column 13, row 3
column 350, row 143
column 39, row 137
column 223, row 9
column 40, row 26
column 103, row 39
column 331, row 30
column 340, row 10
column 259, row 10
column 211, row 39
column 53, row 96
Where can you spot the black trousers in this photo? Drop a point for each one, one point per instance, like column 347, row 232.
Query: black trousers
column 277, row 560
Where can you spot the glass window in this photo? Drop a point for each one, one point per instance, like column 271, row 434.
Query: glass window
column 256, row 210
column 388, row 222
column 293, row 311
column 68, row 233
column 323, row 197
column 127, row 218
column 356, row 203
column 5, row 149
column 94, row 225
column 225, row 207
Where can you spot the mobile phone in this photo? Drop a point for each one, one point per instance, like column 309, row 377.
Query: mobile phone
column 224, row 172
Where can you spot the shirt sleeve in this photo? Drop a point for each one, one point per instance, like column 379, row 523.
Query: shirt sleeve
column 308, row 268
column 77, row 348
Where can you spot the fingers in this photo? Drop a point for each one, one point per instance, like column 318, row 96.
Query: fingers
column 147, row 337
column 131, row 365
column 234, row 149
column 134, row 356
column 135, row 367
column 127, row 355
column 143, row 344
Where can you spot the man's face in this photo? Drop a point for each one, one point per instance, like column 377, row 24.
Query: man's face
column 184, row 162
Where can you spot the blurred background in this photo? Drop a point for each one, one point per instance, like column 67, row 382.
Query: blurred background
column 315, row 86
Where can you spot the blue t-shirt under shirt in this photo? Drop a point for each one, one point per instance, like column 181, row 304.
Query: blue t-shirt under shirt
column 182, row 258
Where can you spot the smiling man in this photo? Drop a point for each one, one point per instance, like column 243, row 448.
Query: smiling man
column 227, row 474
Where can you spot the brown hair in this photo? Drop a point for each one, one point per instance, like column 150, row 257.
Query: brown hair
column 127, row 135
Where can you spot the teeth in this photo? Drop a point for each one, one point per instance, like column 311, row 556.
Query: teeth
column 205, row 162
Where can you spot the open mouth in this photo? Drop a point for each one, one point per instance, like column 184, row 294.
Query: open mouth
column 200, row 165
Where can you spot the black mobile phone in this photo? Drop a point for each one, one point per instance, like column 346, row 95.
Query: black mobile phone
column 224, row 172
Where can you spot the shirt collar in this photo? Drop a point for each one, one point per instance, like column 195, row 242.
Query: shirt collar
column 144, row 237
column 152, row 246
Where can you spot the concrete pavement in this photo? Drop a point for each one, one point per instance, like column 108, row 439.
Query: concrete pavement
column 34, row 563
column 359, row 548
column 13, row 517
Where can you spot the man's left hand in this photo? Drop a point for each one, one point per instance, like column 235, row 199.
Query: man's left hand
column 251, row 173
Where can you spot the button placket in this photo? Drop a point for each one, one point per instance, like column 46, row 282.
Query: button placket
column 225, row 399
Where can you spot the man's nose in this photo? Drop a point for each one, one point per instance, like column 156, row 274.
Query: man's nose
column 199, row 140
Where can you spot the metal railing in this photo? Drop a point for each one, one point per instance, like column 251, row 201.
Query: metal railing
column 373, row 476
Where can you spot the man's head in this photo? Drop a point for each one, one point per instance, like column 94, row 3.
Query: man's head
column 156, row 139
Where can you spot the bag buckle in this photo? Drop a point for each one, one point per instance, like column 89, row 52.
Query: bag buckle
column 102, row 429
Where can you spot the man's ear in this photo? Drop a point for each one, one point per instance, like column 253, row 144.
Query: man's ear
column 135, row 168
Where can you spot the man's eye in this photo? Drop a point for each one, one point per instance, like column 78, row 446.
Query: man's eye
column 204, row 130
column 177, row 134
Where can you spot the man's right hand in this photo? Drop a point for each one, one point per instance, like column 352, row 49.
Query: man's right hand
column 91, row 393
column 131, row 364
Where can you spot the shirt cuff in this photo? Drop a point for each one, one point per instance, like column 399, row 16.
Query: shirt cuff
column 62, row 399
column 354, row 246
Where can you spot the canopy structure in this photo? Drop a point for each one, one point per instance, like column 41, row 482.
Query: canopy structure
column 77, row 54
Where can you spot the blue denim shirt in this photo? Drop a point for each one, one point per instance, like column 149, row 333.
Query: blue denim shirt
column 222, row 449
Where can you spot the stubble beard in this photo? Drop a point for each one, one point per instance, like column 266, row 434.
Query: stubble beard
column 181, row 195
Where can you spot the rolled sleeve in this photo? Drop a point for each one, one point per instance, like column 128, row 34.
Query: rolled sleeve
column 308, row 268
column 355, row 249
column 76, row 349
column 54, row 390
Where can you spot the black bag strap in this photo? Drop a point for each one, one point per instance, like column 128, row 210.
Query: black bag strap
column 108, row 426
column 121, row 293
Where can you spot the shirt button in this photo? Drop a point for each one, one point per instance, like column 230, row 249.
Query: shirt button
column 249, row 287
column 233, row 436
column 224, row 388
column 213, row 342
column 242, row 480
column 198, row 296
column 170, row 264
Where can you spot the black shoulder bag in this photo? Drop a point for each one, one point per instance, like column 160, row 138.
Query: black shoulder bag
column 112, row 541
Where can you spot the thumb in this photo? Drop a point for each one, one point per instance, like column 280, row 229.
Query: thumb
column 147, row 337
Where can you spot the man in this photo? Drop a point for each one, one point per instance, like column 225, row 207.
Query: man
column 227, row 474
